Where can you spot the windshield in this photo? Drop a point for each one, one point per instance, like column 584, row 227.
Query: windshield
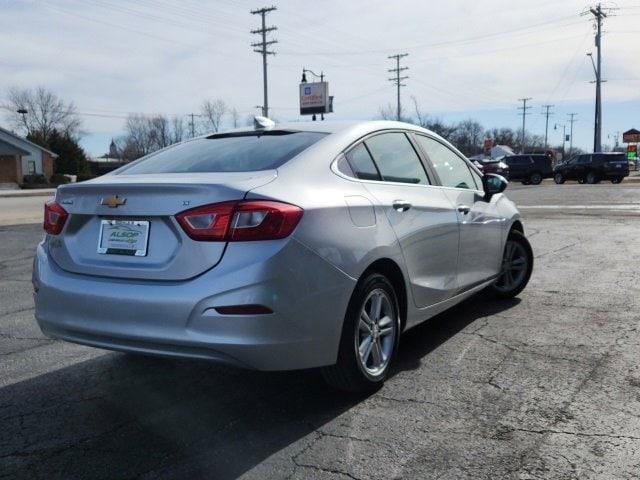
column 245, row 152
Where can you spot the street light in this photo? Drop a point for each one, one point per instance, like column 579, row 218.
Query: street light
column 564, row 135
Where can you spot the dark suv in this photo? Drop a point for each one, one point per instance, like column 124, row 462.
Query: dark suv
column 592, row 168
column 529, row 168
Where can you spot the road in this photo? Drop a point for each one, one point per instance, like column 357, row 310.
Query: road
column 543, row 386
column 20, row 210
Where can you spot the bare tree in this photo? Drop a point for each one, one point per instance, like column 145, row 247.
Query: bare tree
column 212, row 113
column 434, row 124
column 387, row 113
column 45, row 112
column 144, row 135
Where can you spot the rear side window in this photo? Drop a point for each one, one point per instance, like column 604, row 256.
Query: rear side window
column 227, row 153
column 362, row 163
column 452, row 170
column 397, row 160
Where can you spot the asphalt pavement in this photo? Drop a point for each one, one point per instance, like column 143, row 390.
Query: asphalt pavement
column 543, row 386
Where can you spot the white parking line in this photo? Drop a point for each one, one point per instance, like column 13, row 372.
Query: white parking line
column 628, row 206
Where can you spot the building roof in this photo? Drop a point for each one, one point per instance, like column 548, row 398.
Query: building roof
column 7, row 148
column 22, row 143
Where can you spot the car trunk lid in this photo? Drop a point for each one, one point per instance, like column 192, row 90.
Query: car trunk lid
column 151, row 201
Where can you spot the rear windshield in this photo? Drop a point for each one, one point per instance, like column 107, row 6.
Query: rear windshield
column 227, row 153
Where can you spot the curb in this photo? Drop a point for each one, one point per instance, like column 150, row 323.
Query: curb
column 27, row 193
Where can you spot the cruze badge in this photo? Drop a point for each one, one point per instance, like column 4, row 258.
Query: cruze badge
column 113, row 202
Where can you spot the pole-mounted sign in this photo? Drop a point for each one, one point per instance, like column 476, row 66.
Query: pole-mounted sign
column 314, row 98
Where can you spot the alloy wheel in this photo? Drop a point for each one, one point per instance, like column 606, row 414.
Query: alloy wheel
column 514, row 267
column 376, row 332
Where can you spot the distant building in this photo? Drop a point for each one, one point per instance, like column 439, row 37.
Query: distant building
column 107, row 162
column 20, row 157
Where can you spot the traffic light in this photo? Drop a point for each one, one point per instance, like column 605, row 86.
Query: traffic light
column 632, row 152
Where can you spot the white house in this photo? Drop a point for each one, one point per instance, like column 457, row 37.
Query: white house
column 20, row 157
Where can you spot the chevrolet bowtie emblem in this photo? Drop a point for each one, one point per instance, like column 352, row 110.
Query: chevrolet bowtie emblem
column 113, row 201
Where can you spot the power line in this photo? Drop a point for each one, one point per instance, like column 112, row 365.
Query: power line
column 524, row 109
column 398, row 79
column 262, row 48
column 546, row 113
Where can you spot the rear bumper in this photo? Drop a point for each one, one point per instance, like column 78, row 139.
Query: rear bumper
column 307, row 295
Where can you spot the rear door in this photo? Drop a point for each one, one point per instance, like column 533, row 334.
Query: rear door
column 579, row 167
column 517, row 166
column 479, row 222
column 420, row 214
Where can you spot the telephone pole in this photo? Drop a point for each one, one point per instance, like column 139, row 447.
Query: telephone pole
column 262, row 47
column 398, row 79
column 572, row 121
column 192, row 123
column 546, row 113
column 524, row 109
column 599, row 15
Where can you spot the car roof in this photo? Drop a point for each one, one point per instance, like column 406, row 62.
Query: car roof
column 333, row 126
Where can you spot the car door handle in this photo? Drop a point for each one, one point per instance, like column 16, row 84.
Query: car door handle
column 401, row 205
column 463, row 209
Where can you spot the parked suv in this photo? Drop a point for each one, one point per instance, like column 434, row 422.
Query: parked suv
column 531, row 168
column 592, row 168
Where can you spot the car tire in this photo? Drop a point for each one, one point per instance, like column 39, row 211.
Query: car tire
column 517, row 265
column 591, row 178
column 616, row 180
column 365, row 353
column 535, row 178
column 559, row 178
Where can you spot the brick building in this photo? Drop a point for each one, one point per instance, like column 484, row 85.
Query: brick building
column 20, row 157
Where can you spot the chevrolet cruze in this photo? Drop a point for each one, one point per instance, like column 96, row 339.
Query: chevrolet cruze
column 278, row 247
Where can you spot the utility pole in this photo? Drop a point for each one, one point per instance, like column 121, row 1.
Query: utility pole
column 546, row 124
column 599, row 15
column 398, row 79
column 572, row 121
column 262, row 48
column 524, row 109
column 192, row 124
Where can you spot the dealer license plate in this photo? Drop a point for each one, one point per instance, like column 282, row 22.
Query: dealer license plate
column 124, row 237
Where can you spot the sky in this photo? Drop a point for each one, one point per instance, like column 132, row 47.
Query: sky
column 467, row 59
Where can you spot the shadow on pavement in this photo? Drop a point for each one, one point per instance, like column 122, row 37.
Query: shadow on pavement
column 119, row 416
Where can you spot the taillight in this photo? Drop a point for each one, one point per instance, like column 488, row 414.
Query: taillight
column 54, row 217
column 240, row 221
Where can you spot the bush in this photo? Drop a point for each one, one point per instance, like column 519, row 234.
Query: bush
column 83, row 176
column 37, row 178
column 59, row 179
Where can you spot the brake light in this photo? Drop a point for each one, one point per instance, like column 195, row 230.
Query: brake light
column 240, row 221
column 54, row 217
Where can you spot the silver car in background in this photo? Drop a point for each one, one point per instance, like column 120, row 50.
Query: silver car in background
column 278, row 247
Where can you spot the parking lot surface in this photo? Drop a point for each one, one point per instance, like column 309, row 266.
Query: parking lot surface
column 543, row 386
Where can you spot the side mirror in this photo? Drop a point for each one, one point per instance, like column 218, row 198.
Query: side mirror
column 493, row 184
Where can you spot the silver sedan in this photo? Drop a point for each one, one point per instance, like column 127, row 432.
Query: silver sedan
column 278, row 247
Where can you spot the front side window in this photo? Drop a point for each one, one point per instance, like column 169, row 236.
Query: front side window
column 452, row 170
column 245, row 152
column 397, row 160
